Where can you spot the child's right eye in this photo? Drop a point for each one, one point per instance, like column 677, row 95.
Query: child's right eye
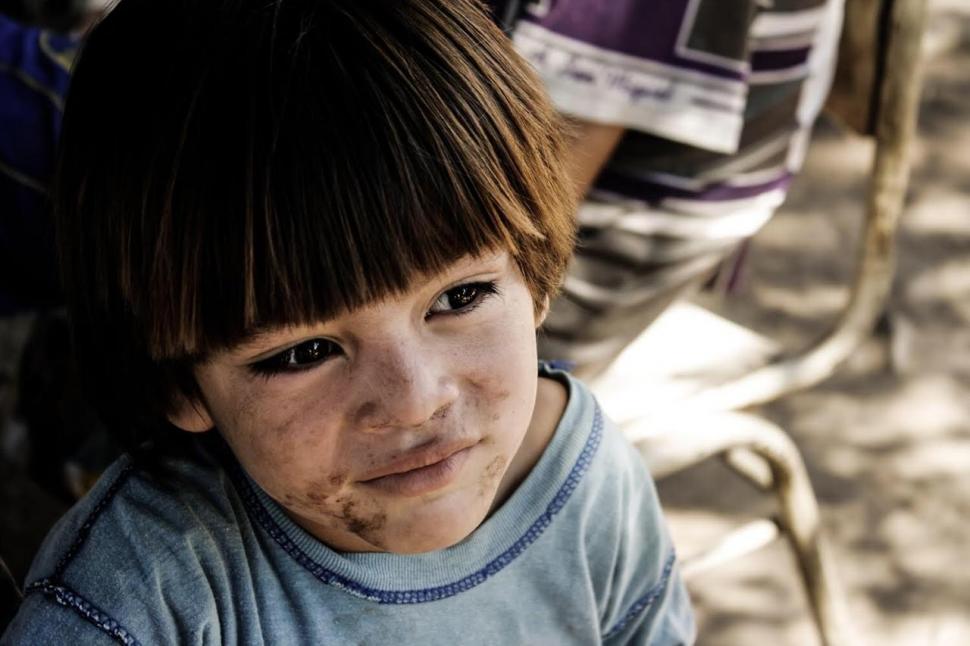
column 300, row 357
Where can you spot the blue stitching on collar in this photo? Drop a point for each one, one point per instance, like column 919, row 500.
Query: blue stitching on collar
column 425, row 595
column 68, row 598
column 644, row 602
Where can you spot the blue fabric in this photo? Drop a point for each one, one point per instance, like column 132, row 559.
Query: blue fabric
column 34, row 77
column 579, row 554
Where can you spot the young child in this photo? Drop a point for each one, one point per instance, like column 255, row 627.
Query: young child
column 306, row 246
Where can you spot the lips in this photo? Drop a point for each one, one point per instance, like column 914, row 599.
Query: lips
column 422, row 471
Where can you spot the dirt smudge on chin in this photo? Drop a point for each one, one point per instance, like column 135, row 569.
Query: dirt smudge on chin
column 319, row 493
column 343, row 510
column 487, row 482
column 317, row 498
column 365, row 523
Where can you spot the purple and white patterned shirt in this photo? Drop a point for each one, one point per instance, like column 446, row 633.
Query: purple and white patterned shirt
column 717, row 98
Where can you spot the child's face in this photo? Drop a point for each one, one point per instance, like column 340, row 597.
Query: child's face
column 393, row 427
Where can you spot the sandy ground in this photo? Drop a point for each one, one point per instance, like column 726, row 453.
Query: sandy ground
column 887, row 441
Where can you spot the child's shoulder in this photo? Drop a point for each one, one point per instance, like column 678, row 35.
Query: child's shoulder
column 608, row 515
column 139, row 508
column 140, row 540
column 602, row 472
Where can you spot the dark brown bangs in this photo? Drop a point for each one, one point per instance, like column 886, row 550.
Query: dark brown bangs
column 287, row 163
column 391, row 158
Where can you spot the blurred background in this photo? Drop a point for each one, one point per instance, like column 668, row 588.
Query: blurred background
column 886, row 440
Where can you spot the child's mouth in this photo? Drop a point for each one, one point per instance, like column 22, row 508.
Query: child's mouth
column 423, row 479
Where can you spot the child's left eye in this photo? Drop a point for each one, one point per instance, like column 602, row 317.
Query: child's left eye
column 463, row 298
column 299, row 357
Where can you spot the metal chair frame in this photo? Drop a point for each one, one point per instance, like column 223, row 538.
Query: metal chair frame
column 707, row 423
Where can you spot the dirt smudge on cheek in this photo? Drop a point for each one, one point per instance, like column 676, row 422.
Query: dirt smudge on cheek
column 367, row 411
column 319, row 494
column 318, row 498
column 485, row 400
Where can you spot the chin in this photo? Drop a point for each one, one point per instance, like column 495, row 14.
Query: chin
column 433, row 534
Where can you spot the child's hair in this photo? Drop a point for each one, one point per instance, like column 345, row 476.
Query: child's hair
column 228, row 165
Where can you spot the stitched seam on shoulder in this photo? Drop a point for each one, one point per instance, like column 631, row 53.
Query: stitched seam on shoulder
column 424, row 595
column 642, row 604
column 68, row 598
column 85, row 529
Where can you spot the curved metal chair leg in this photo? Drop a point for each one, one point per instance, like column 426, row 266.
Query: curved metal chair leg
column 800, row 519
column 669, row 444
column 895, row 125
column 750, row 466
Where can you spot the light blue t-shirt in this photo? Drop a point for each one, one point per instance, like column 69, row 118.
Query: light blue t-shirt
column 578, row 554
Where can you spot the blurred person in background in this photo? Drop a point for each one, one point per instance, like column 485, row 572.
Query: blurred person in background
column 35, row 66
column 689, row 120
column 38, row 43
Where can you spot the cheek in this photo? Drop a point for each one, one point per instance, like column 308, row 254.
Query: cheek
column 506, row 343
column 503, row 377
column 289, row 441
column 286, row 439
column 499, row 380
column 307, row 475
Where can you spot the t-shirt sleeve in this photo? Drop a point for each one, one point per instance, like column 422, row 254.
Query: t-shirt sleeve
column 671, row 68
column 663, row 615
column 645, row 601
column 41, row 619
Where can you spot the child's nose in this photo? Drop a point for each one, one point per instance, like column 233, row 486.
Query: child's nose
column 410, row 385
